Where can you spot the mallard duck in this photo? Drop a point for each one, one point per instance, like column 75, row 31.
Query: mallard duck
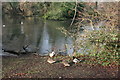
column 25, row 48
column 75, row 60
column 50, row 61
column 52, row 54
column 66, row 64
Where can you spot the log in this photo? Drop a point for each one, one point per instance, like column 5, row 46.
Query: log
column 17, row 53
column 11, row 51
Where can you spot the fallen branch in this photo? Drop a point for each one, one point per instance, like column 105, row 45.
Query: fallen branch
column 11, row 51
column 16, row 52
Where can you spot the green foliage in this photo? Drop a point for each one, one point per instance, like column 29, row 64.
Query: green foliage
column 48, row 10
column 104, row 45
column 14, row 4
column 60, row 11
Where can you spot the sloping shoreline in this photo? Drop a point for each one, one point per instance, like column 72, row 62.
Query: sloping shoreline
column 34, row 66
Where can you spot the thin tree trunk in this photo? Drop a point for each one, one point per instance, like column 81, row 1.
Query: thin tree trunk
column 74, row 14
column 96, row 4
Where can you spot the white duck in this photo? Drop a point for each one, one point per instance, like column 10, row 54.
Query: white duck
column 50, row 61
column 3, row 25
column 66, row 64
column 52, row 54
column 21, row 22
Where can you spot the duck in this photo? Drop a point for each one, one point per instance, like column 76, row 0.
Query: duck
column 66, row 64
column 52, row 54
column 3, row 25
column 25, row 48
column 51, row 61
column 75, row 60
column 21, row 22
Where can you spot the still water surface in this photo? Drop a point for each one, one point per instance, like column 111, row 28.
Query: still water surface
column 41, row 36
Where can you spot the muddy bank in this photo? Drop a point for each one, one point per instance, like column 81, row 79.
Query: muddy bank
column 34, row 66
